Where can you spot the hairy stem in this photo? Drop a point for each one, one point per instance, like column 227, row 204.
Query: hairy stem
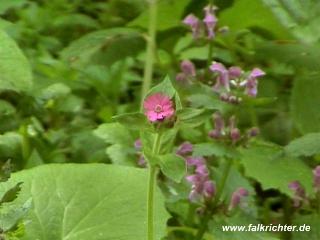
column 151, row 186
column 151, row 46
column 213, row 205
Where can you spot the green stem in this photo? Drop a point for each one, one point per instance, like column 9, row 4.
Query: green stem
column 151, row 46
column 212, row 206
column 151, row 186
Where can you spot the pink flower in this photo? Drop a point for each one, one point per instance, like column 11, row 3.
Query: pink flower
column 252, row 82
column 237, row 196
column 210, row 21
column 194, row 23
column 223, row 76
column 158, row 107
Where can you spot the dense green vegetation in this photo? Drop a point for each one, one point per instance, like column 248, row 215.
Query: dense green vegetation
column 168, row 119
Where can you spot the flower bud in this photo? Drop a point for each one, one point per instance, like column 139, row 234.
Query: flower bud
column 184, row 149
column 188, row 68
column 237, row 196
column 209, row 189
column 194, row 23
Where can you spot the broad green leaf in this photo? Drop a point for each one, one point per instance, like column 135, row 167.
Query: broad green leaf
column 201, row 53
column 135, row 121
column 12, row 214
column 305, row 102
column 251, row 14
column 173, row 166
column 272, row 169
column 300, row 17
column 104, row 46
column 307, row 145
column 213, row 149
column 169, row 15
column 93, row 201
column 15, row 70
column 312, row 220
column 193, row 117
column 299, row 55
column 114, row 133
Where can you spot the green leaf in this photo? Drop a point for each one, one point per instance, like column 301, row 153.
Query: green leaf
column 104, row 46
column 307, row 145
column 311, row 220
column 11, row 194
column 135, row 121
column 169, row 15
column 6, row 108
column 213, row 149
column 305, row 101
column 173, row 166
column 12, row 214
column 15, row 70
column 301, row 18
column 94, row 201
column 254, row 14
column 299, row 55
column 122, row 155
column 165, row 87
column 266, row 164
column 193, row 117
column 114, row 133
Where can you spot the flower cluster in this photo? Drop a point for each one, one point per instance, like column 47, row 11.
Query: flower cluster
column 158, row 107
column 221, row 132
column 207, row 25
column 234, row 77
column 201, row 185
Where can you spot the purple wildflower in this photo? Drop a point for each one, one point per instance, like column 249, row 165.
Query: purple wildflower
column 235, row 134
column 138, row 144
column 194, row 23
column 188, row 68
column 252, row 82
column 184, row 149
column 223, row 76
column 210, row 20
column 237, row 196
column 201, row 185
column 299, row 193
column 234, row 72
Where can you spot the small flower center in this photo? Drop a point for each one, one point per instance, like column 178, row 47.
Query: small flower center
column 158, row 108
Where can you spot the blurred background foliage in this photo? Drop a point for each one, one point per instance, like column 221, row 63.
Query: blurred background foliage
column 67, row 66
column 86, row 59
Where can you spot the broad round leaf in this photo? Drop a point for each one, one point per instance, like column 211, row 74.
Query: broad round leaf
column 81, row 202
